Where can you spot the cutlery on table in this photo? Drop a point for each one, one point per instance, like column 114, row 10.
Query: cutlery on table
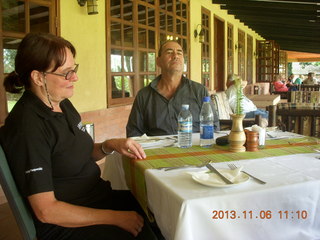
column 184, row 166
column 226, row 180
column 232, row 166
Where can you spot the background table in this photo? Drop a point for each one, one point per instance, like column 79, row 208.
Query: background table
column 262, row 101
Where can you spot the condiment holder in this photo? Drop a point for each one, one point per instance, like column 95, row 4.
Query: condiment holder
column 252, row 140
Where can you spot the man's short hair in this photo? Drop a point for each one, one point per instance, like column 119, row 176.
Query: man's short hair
column 164, row 43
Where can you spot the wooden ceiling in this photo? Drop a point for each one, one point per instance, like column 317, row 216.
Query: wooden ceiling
column 302, row 57
column 294, row 25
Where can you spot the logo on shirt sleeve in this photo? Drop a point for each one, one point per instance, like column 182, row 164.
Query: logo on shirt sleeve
column 81, row 127
column 34, row 170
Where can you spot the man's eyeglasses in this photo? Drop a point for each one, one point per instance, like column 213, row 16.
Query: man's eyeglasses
column 66, row 76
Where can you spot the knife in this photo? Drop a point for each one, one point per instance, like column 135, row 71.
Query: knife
column 226, row 180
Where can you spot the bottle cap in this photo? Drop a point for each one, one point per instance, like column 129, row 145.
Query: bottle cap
column 185, row 106
column 206, row 99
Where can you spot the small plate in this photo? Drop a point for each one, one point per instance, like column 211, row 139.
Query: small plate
column 211, row 179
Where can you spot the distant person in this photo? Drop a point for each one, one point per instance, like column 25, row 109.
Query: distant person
column 156, row 107
column 310, row 79
column 279, row 86
column 249, row 108
column 290, row 80
column 298, row 80
column 290, row 84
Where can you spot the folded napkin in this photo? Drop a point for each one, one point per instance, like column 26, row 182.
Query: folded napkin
column 212, row 179
column 262, row 134
column 152, row 142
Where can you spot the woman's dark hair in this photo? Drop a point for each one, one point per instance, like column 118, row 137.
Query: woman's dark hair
column 37, row 51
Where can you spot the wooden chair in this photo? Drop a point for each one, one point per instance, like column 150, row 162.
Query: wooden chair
column 283, row 95
column 308, row 87
column 301, row 118
column 16, row 202
column 304, row 97
column 221, row 104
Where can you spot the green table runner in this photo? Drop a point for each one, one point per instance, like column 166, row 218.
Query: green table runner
column 174, row 156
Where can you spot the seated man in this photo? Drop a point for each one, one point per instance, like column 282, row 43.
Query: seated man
column 156, row 107
column 248, row 106
column 310, row 79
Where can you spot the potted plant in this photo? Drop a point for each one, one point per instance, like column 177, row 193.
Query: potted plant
column 237, row 137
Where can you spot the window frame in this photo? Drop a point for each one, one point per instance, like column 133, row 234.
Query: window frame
column 166, row 9
column 54, row 28
column 206, row 49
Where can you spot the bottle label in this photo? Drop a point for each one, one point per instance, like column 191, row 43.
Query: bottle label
column 206, row 132
column 185, row 127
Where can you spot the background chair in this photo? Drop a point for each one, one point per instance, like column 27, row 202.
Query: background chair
column 221, row 104
column 17, row 204
column 301, row 118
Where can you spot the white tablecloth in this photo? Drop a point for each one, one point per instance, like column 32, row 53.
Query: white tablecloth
column 184, row 208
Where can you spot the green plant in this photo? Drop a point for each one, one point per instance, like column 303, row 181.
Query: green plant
column 239, row 96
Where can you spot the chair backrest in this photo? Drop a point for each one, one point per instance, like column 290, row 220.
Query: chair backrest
column 221, row 104
column 16, row 203
column 309, row 87
column 304, row 97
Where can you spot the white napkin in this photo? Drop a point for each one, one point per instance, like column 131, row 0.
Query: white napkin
column 145, row 139
column 212, row 179
column 154, row 141
column 262, row 134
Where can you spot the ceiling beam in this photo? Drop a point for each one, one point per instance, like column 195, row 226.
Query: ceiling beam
column 297, row 23
column 274, row 14
column 286, row 31
column 294, row 25
column 269, row 5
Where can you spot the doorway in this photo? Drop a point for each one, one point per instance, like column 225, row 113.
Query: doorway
column 219, row 52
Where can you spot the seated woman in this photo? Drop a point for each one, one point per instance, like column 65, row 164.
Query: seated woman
column 289, row 82
column 279, row 86
column 249, row 108
column 52, row 157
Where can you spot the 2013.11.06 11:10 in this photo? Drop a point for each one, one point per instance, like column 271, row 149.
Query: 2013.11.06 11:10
column 300, row 214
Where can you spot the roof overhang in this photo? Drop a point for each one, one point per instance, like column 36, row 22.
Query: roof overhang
column 294, row 25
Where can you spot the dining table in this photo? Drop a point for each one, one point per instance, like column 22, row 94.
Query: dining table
column 173, row 187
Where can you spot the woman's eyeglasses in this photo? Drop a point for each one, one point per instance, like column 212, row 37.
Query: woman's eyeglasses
column 66, row 76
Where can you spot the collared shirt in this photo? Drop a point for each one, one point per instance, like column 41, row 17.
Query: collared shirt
column 155, row 115
column 50, row 151
column 310, row 81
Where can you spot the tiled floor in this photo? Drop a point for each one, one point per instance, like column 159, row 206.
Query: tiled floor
column 8, row 226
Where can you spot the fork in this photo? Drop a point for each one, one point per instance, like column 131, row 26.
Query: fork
column 232, row 167
column 184, row 166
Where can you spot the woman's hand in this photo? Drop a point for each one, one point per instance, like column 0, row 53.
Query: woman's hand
column 125, row 146
column 130, row 221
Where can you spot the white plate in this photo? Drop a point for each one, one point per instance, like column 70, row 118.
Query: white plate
column 211, row 179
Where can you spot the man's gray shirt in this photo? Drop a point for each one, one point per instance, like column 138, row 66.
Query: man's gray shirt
column 154, row 115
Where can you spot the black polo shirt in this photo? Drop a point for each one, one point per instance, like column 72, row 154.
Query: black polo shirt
column 50, row 151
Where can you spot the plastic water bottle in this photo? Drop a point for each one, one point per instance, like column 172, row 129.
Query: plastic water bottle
column 206, row 124
column 185, row 127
